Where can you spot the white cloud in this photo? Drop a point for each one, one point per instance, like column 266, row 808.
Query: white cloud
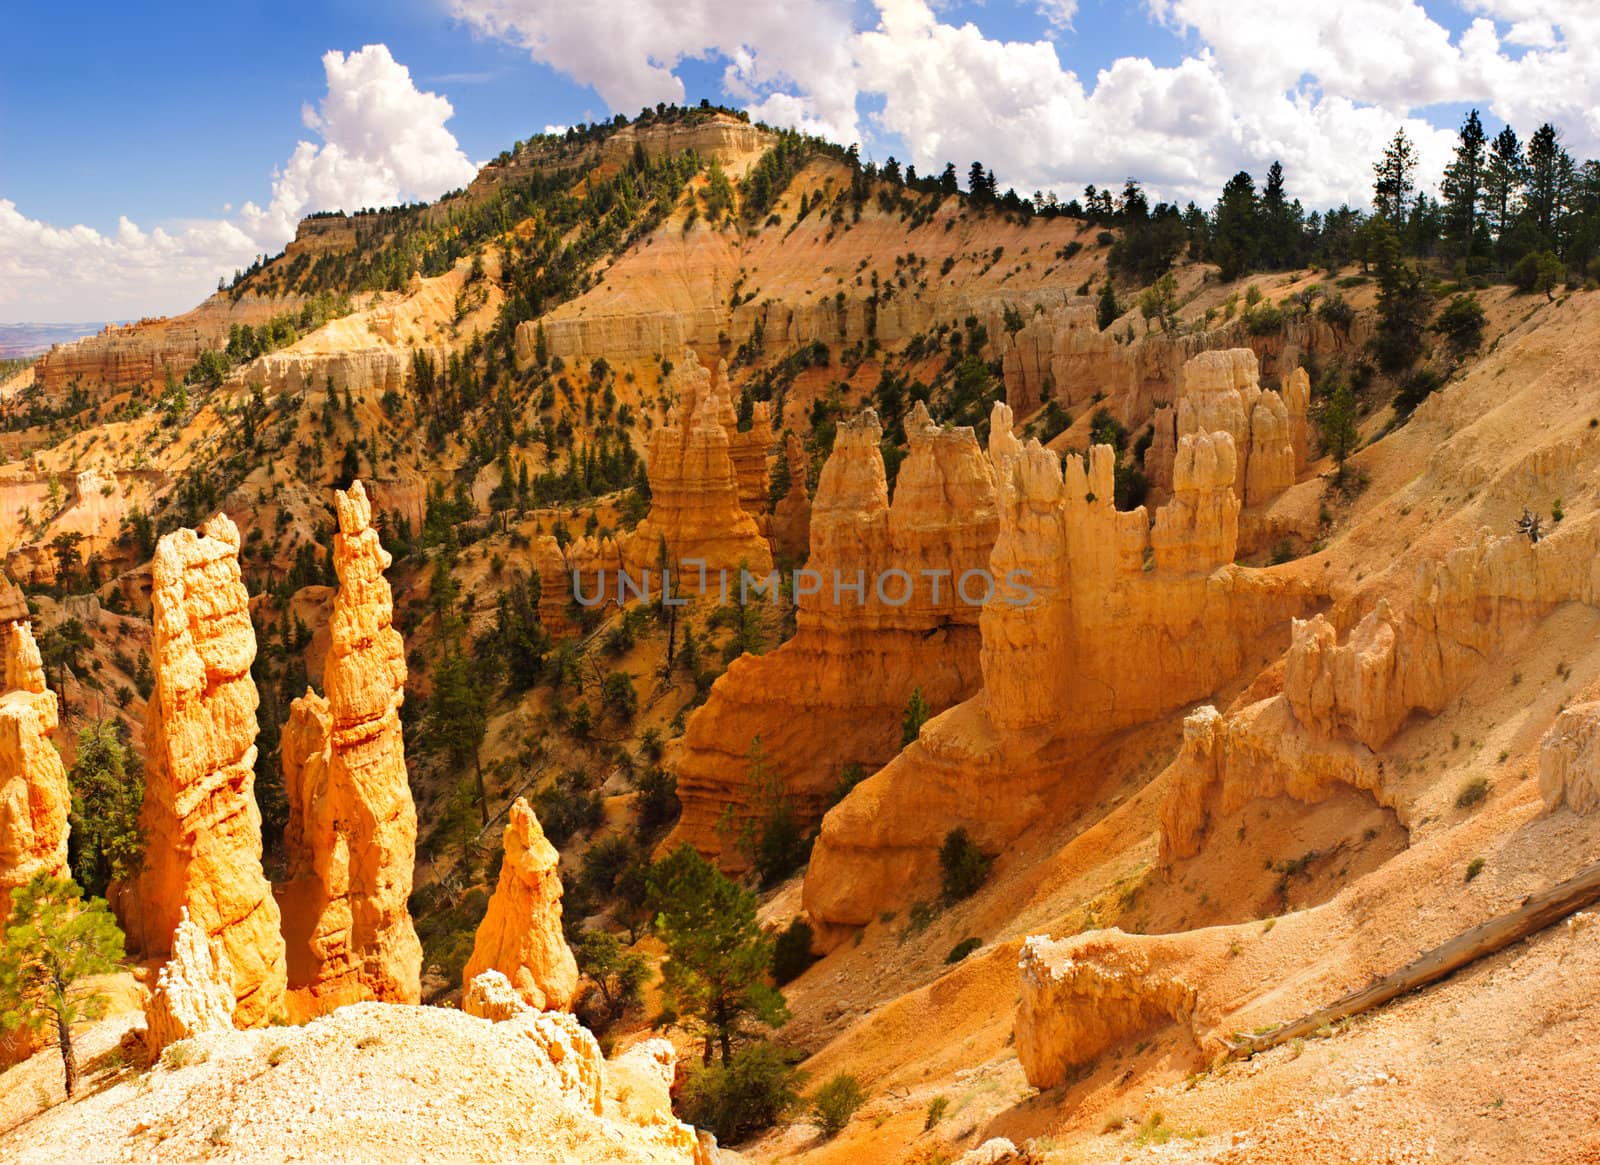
column 1320, row 86
column 382, row 141
column 627, row 50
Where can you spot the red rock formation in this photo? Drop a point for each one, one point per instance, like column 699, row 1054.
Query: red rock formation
column 696, row 491
column 201, row 826
column 1127, row 623
column 555, row 585
column 352, row 827
column 834, row 694
column 193, row 992
column 34, row 795
column 521, row 936
column 791, row 519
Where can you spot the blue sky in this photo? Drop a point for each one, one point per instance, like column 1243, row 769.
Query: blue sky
column 132, row 120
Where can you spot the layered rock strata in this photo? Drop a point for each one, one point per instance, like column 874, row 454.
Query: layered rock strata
column 1127, row 622
column 201, row 826
column 520, row 935
column 193, row 991
column 881, row 614
column 352, row 829
column 34, row 796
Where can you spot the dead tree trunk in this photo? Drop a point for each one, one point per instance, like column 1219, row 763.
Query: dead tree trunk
column 1537, row 912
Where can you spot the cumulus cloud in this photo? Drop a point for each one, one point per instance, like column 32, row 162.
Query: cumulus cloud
column 790, row 60
column 381, row 141
column 1321, row 87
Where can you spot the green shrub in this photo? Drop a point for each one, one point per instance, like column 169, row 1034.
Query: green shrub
column 962, row 949
column 757, row 1089
column 1473, row 793
column 791, row 954
column 936, row 1110
column 1461, row 324
column 962, row 865
column 1474, row 868
column 833, row 1104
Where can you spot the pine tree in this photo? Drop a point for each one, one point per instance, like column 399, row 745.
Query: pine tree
column 107, row 791
column 916, row 715
column 1339, row 424
column 53, row 940
column 947, row 180
column 718, row 955
column 1108, row 311
column 1502, row 181
column 1463, row 186
column 1280, row 223
column 1549, row 180
column 1236, row 229
column 1394, row 179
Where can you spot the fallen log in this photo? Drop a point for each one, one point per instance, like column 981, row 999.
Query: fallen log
column 1536, row 912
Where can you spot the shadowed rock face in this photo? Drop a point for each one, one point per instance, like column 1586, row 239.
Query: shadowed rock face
column 353, row 827
column 1130, row 620
column 34, row 796
column 201, row 825
column 520, row 935
column 834, row 694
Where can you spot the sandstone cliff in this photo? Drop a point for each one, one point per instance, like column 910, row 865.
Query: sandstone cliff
column 34, row 796
column 201, row 826
column 834, row 694
column 352, row 829
column 193, row 991
column 1127, row 621
column 521, row 936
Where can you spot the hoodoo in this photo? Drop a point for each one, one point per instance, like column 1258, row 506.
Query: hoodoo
column 202, row 829
column 352, row 827
column 34, row 797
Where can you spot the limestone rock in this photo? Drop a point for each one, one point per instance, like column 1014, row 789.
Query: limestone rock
column 352, row 831
column 1221, row 392
column 1296, row 393
column 520, row 935
column 34, row 796
column 1569, row 760
column 1258, row 752
column 1462, row 610
column 697, row 497
column 791, row 519
column 201, row 825
column 193, row 991
column 1084, row 995
column 491, row 996
column 1124, row 623
column 834, row 694
column 994, row 1151
column 572, row 1052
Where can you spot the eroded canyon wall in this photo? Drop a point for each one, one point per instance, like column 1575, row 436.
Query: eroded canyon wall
column 34, row 796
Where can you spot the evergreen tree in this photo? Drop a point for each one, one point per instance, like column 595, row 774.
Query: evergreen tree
column 1502, row 181
column 458, row 714
column 1236, row 227
column 947, row 180
column 1107, row 311
column 1280, row 223
column 916, row 715
column 717, row 954
column 1394, row 178
column 1339, row 424
column 1549, row 176
column 53, row 940
column 1463, row 186
column 1404, row 304
column 105, row 844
